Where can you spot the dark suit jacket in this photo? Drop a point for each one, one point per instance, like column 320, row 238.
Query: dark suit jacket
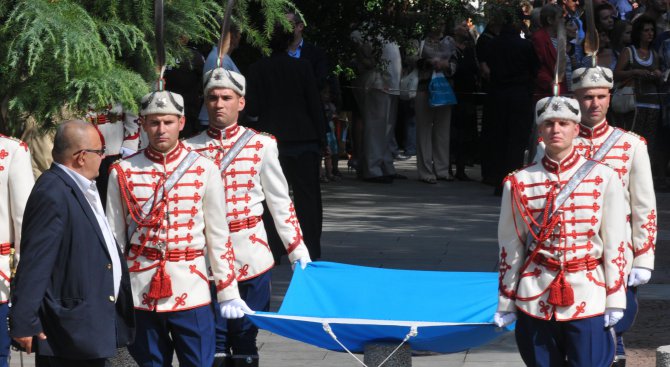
column 282, row 93
column 64, row 284
column 317, row 59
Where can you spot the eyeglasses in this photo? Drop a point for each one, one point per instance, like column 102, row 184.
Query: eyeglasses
column 100, row 152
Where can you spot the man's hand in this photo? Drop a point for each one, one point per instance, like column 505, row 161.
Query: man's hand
column 234, row 308
column 303, row 261
column 502, row 319
column 612, row 316
column 639, row 276
column 26, row 342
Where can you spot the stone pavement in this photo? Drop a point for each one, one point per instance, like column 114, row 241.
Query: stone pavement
column 450, row 226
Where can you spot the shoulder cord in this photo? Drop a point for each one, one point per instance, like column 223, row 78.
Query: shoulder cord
column 152, row 218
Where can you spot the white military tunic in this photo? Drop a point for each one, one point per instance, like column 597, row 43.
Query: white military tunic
column 588, row 241
column 119, row 129
column 16, row 181
column 630, row 159
column 253, row 176
column 191, row 221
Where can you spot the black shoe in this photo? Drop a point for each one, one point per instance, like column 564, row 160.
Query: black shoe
column 222, row 360
column 398, row 176
column 619, row 361
column 379, row 179
column 462, row 177
column 401, row 157
column 245, row 361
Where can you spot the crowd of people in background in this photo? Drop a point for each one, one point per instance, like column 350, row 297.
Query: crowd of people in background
column 384, row 115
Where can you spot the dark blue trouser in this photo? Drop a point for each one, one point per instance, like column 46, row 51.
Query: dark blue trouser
column 627, row 321
column 4, row 335
column 238, row 336
column 189, row 333
column 582, row 343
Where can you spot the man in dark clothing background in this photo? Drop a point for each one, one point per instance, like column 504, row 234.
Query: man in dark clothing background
column 513, row 66
column 283, row 100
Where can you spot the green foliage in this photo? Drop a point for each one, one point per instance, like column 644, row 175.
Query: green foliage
column 61, row 56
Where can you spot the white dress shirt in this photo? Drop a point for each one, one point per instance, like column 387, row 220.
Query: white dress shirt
column 91, row 194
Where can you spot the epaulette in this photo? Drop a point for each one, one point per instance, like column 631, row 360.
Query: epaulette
column 512, row 173
column 11, row 138
column 18, row 141
column 267, row 134
column 637, row 136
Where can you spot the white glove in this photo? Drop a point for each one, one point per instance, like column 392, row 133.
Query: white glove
column 502, row 319
column 234, row 308
column 612, row 316
column 639, row 276
column 303, row 262
column 126, row 152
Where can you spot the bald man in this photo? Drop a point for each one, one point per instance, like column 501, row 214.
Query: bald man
column 71, row 302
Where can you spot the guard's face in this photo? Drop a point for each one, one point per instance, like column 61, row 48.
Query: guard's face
column 558, row 135
column 163, row 131
column 594, row 103
column 223, row 107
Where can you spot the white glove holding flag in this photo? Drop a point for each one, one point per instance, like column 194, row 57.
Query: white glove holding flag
column 612, row 316
column 639, row 276
column 234, row 308
column 303, row 262
column 502, row 319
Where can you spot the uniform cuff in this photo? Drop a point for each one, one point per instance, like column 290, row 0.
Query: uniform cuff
column 644, row 261
column 230, row 292
column 506, row 305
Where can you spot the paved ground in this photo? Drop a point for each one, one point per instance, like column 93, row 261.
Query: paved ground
column 450, row 226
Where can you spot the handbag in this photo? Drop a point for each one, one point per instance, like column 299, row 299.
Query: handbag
column 623, row 99
column 440, row 91
column 408, row 85
column 623, row 96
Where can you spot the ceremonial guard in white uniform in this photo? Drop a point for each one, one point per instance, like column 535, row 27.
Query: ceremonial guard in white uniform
column 120, row 133
column 628, row 156
column 166, row 207
column 251, row 174
column 563, row 250
column 16, row 181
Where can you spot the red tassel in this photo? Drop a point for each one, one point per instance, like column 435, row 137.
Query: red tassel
column 567, row 293
column 561, row 293
column 555, row 296
column 161, row 284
